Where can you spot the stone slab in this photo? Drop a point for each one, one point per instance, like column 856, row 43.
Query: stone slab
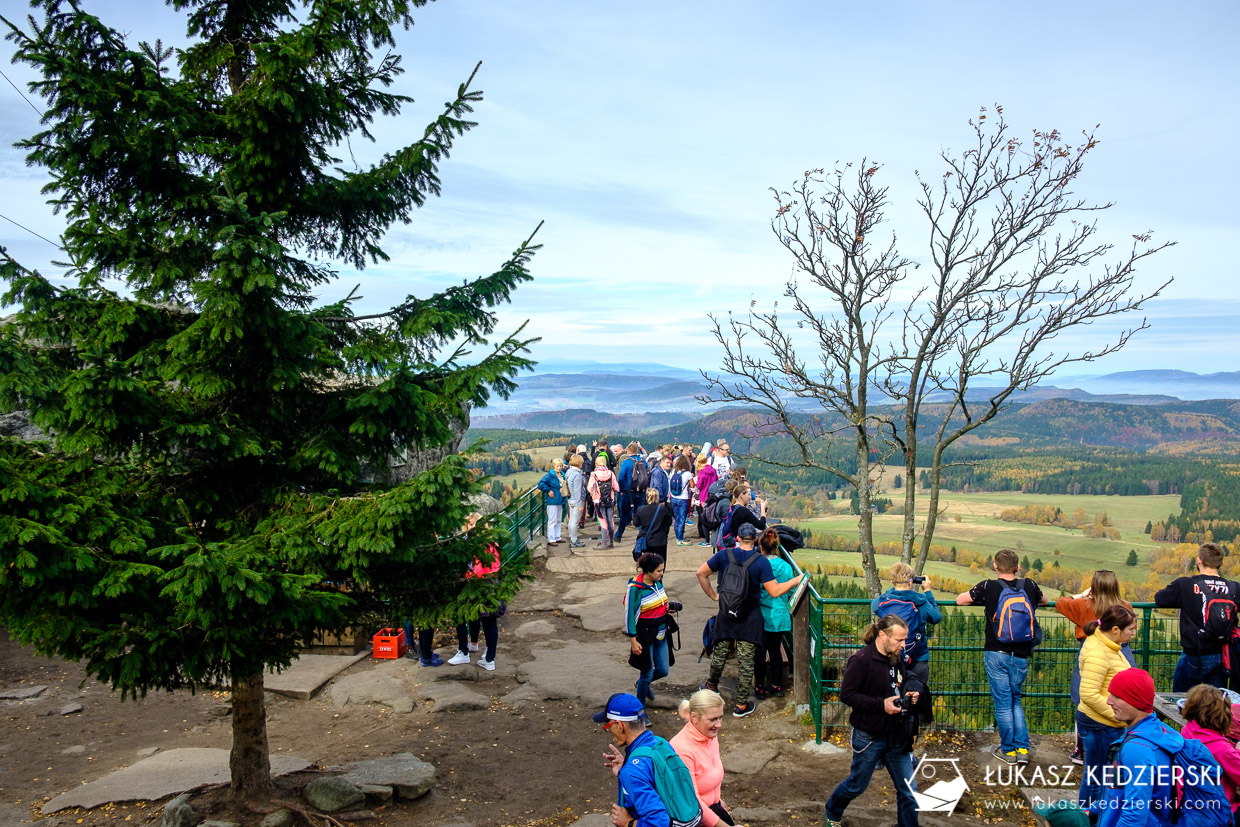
column 749, row 759
column 580, row 671
column 534, row 628
column 308, row 674
column 593, row 820
column 373, row 687
column 452, row 696
column 21, row 693
column 162, row 775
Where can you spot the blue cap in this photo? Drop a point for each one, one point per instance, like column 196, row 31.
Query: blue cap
column 621, row 707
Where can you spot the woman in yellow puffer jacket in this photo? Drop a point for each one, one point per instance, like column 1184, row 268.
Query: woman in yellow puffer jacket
column 1100, row 660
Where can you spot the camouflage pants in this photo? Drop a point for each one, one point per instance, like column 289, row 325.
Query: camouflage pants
column 745, row 651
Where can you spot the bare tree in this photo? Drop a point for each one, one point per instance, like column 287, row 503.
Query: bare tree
column 1014, row 261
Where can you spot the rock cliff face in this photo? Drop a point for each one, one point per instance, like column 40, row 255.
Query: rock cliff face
column 17, row 424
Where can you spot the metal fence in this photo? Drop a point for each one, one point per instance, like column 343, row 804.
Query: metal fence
column 524, row 517
column 957, row 675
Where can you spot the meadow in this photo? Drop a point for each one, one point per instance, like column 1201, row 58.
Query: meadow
column 970, row 521
column 522, row 481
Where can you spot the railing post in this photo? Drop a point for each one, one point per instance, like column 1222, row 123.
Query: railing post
column 801, row 664
column 1146, row 616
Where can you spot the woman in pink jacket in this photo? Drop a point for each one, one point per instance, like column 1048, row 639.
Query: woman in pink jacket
column 706, row 475
column 697, row 744
column 1208, row 719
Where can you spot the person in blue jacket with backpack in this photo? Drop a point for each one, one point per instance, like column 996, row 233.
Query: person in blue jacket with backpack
column 1011, row 632
column 648, row 794
column 917, row 609
column 1139, row 787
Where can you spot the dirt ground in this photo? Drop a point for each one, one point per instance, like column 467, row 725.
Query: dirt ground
column 496, row 767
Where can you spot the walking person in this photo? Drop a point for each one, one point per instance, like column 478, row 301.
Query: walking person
column 640, row 802
column 915, row 604
column 705, row 477
column 555, row 488
column 1100, row 661
column 681, row 491
column 1081, row 609
column 743, row 572
column 576, row 499
column 776, row 624
column 653, row 521
column 646, row 609
column 697, row 744
column 1011, row 627
column 1207, row 604
column 634, row 480
column 872, row 686
column 603, row 490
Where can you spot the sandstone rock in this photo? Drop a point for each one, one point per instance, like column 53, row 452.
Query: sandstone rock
column 749, row 759
column 219, row 823
column 21, row 693
column 534, row 628
column 179, row 813
column 280, row 818
column 409, row 777
column 332, row 794
column 455, row 697
column 376, row 792
column 76, row 749
column 372, row 687
column 69, row 709
column 148, row 752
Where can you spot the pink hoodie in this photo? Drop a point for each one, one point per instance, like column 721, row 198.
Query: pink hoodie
column 601, row 476
column 701, row 756
column 705, row 477
column 1224, row 752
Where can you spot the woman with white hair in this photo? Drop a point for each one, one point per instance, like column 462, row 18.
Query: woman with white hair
column 697, row 744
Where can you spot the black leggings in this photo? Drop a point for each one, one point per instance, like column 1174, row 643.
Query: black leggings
column 724, row 817
column 489, row 626
column 769, row 665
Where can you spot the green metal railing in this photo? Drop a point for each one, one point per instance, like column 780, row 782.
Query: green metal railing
column 524, row 517
column 957, row 674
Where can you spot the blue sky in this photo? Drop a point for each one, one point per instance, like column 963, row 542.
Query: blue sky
column 647, row 136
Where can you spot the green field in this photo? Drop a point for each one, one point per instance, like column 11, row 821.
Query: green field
column 524, row 480
column 971, row 522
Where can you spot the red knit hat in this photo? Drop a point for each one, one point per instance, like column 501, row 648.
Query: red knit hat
column 1134, row 687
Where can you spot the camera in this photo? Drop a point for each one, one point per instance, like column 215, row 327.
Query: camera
column 904, row 703
column 673, row 606
column 918, row 579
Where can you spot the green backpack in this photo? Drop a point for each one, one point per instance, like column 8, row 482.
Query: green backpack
column 672, row 781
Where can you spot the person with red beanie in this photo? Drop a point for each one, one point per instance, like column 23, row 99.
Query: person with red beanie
column 1138, row 788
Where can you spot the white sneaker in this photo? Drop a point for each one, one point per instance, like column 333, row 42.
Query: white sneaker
column 473, row 647
column 459, row 658
column 488, row 665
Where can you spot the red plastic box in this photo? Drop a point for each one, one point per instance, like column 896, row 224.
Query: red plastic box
column 390, row 643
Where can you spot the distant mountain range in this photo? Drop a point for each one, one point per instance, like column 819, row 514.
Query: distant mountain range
column 641, row 387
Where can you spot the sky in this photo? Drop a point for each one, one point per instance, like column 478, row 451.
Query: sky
column 647, row 137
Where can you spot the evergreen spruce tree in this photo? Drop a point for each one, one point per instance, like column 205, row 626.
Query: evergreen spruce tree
column 214, row 484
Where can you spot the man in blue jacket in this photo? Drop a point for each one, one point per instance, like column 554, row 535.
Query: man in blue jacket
column 631, row 495
column 1137, row 788
column 639, row 803
column 661, row 478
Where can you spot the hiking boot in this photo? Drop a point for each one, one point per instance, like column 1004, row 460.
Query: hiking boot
column 435, row 660
column 1005, row 757
column 761, row 693
column 488, row 665
column 1077, row 756
column 1022, row 755
column 459, row 658
column 742, row 711
column 777, row 691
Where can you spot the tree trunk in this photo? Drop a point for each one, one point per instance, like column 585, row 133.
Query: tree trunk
column 865, row 520
column 249, row 762
column 801, row 663
column 932, row 513
column 910, row 500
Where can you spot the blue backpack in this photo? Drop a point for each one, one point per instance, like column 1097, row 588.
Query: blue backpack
column 915, row 645
column 677, row 484
column 1014, row 621
column 1198, row 800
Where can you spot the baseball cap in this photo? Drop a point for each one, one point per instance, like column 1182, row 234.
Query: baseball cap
column 621, row 706
column 747, row 532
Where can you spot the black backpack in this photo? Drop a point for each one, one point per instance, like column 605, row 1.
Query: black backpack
column 1218, row 616
column 605, row 494
column 640, row 479
column 734, row 602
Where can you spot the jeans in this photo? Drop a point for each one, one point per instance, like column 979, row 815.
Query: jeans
column 606, row 521
column 574, row 517
column 426, row 642
column 1006, row 673
column 489, row 626
column 1194, row 669
column 1096, row 739
column 658, row 669
column 680, row 513
column 555, row 515
column 628, row 501
column 868, row 751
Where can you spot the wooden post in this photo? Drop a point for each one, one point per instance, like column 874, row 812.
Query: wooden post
column 801, row 661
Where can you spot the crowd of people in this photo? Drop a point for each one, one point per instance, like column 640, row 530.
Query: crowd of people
column 1137, row 770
